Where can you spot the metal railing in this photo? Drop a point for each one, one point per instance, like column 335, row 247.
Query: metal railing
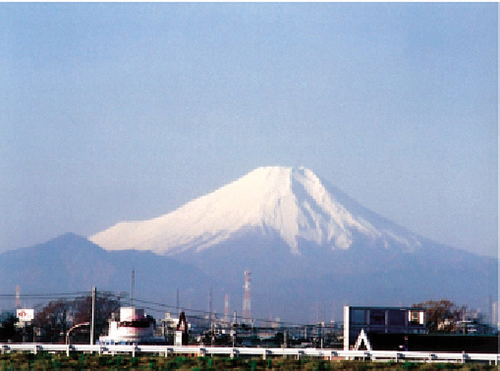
column 201, row 351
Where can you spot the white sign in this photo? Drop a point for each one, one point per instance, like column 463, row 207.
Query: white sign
column 25, row 315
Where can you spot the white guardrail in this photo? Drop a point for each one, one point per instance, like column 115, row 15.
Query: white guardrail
column 201, row 351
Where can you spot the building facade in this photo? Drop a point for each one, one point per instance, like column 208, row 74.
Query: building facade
column 381, row 320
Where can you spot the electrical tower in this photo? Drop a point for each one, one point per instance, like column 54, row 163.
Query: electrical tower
column 133, row 286
column 247, row 301
column 226, row 308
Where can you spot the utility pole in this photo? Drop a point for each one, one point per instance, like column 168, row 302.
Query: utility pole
column 235, row 325
column 92, row 322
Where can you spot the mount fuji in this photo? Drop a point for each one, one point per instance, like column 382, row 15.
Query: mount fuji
column 308, row 245
column 293, row 204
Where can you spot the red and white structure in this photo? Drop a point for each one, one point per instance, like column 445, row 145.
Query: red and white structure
column 247, row 300
column 18, row 297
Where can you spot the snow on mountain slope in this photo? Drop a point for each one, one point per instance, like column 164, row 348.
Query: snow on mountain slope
column 292, row 202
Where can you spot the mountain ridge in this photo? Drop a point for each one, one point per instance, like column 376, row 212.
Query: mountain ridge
column 70, row 263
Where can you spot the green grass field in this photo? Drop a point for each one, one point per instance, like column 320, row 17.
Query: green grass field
column 80, row 361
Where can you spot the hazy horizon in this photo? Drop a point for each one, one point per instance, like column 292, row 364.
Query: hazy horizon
column 113, row 112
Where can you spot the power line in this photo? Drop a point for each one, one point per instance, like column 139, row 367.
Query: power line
column 47, row 295
column 219, row 315
column 146, row 304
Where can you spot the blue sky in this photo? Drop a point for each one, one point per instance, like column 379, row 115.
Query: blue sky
column 112, row 112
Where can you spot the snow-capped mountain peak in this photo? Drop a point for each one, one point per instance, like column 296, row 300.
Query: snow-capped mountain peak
column 292, row 202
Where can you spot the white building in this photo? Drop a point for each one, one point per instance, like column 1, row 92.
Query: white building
column 133, row 327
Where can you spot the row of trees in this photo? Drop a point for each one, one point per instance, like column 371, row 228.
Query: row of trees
column 53, row 320
column 446, row 317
